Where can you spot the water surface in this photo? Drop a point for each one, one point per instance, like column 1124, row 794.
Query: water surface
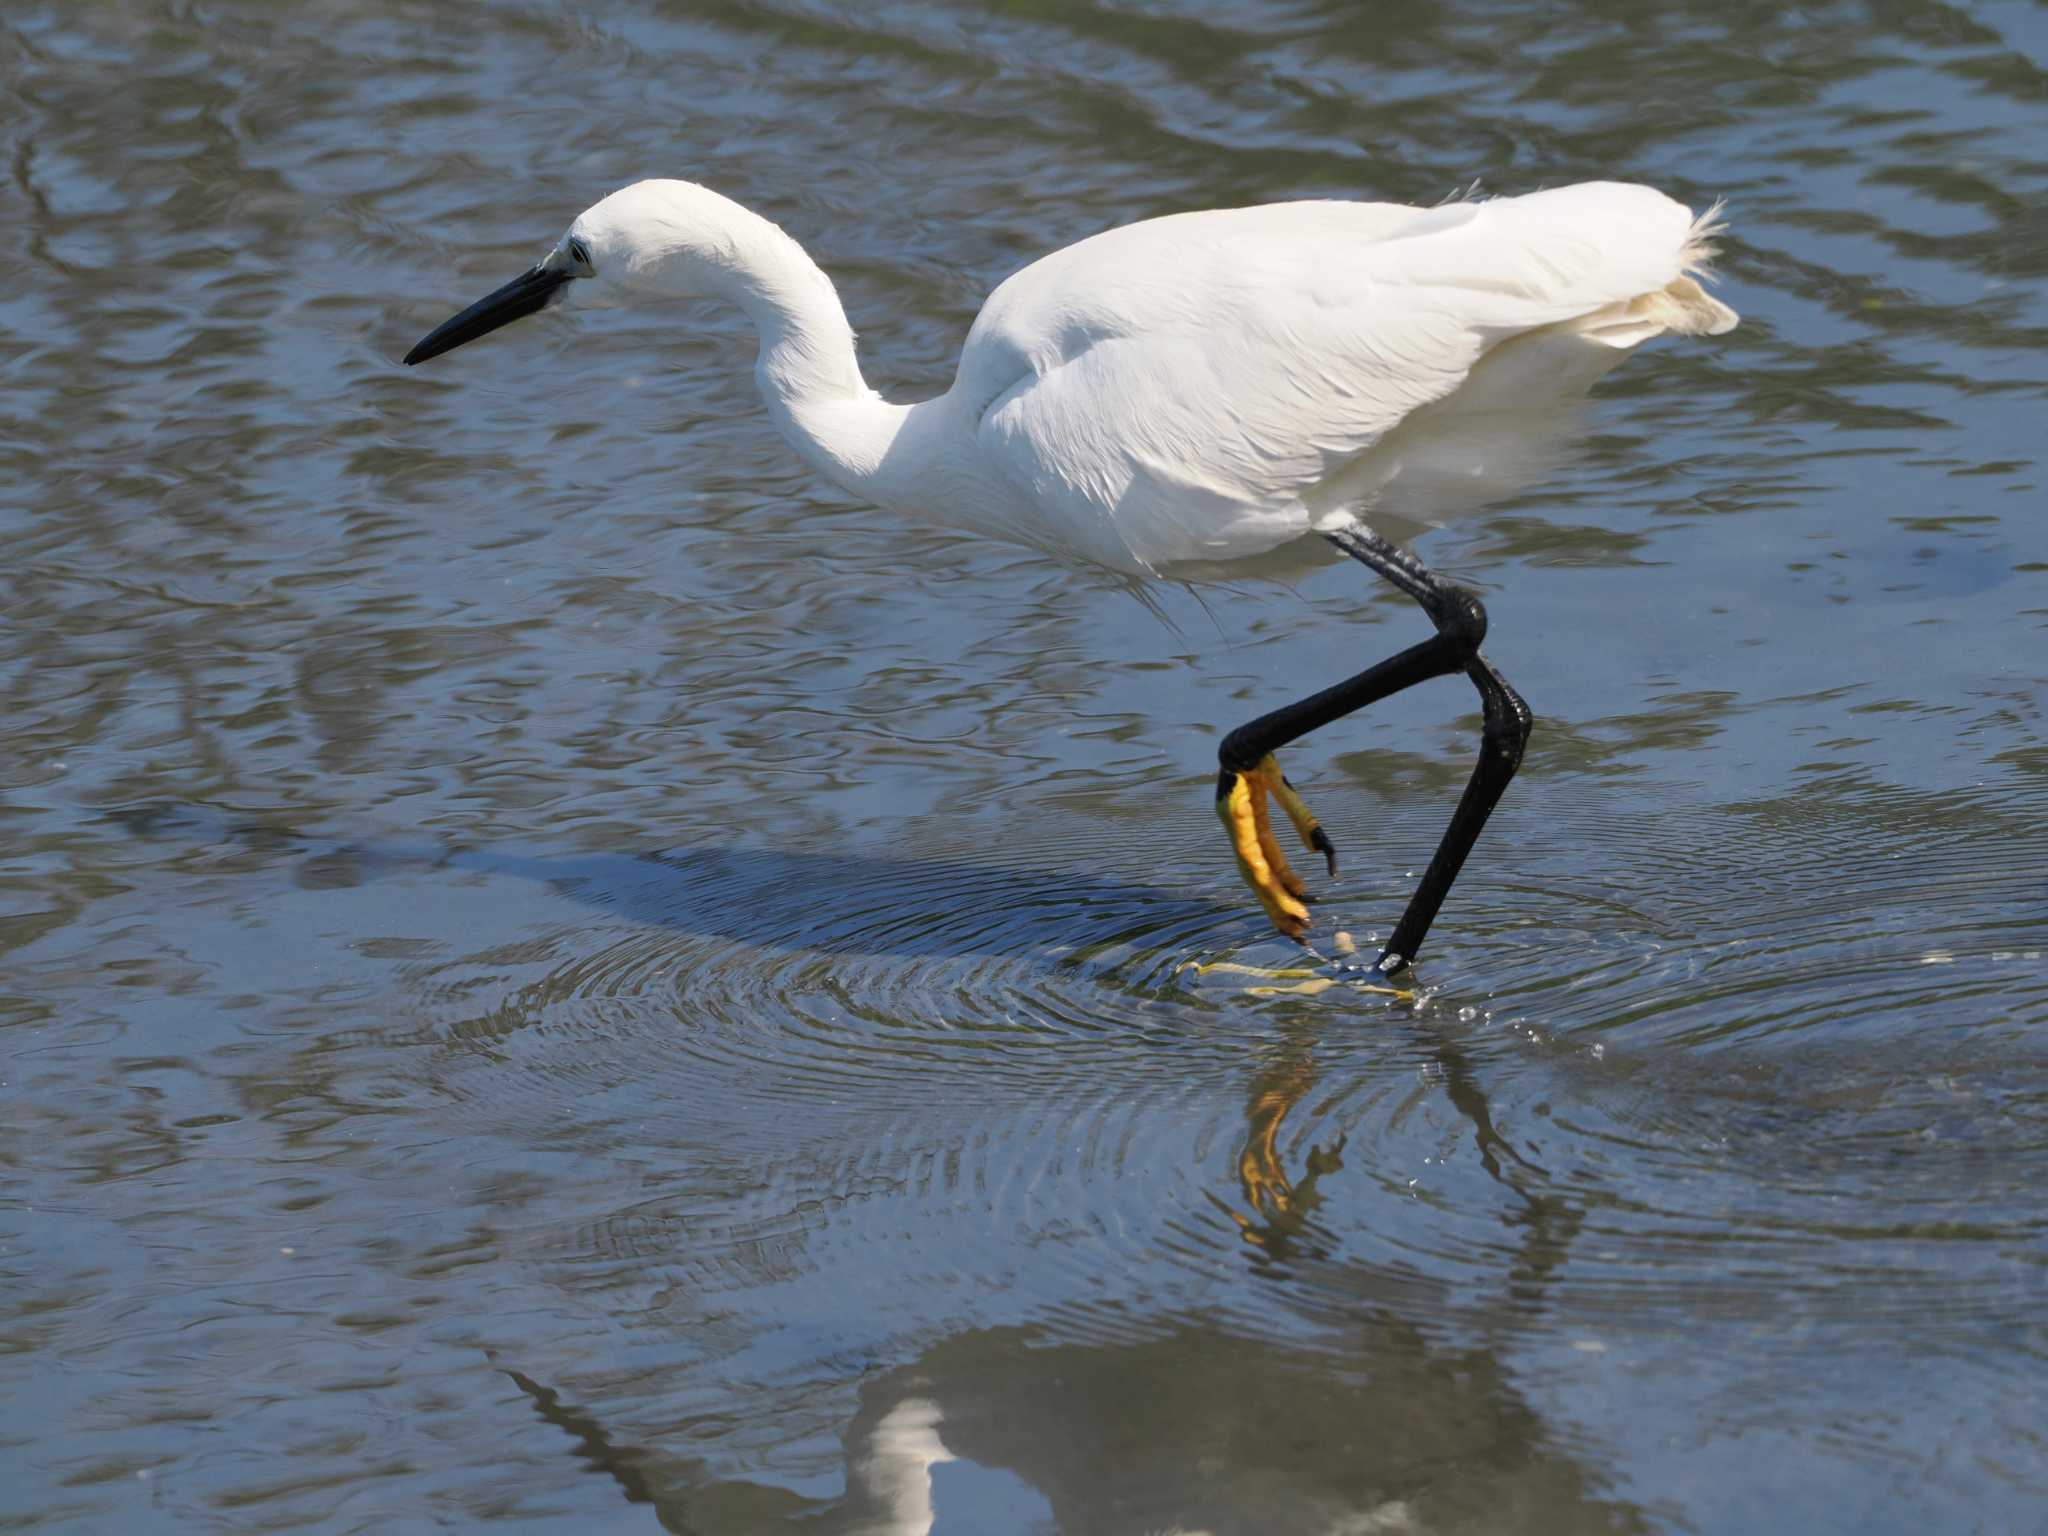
column 560, row 975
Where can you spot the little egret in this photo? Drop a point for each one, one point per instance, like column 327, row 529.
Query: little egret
column 1199, row 388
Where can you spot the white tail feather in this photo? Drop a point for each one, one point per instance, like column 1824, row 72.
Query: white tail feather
column 1697, row 255
column 1682, row 306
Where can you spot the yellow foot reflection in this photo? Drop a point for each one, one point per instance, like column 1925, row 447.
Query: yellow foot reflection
column 1274, row 1196
column 1241, row 807
column 1277, row 1207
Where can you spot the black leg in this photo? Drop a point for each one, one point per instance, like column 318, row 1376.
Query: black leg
column 1460, row 621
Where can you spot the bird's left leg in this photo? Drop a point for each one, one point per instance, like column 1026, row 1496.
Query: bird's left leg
column 1246, row 754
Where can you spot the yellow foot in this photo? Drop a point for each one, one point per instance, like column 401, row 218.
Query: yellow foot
column 1241, row 806
column 1302, row 980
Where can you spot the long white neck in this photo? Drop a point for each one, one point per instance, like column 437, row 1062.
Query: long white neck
column 807, row 370
column 678, row 240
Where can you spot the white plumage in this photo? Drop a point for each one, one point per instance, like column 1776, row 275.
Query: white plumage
column 1195, row 388
column 1207, row 387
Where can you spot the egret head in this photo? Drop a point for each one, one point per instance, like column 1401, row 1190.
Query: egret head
column 668, row 239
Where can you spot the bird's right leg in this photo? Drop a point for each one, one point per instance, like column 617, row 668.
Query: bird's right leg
column 1246, row 755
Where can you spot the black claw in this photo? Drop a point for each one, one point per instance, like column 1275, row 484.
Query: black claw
column 1319, row 840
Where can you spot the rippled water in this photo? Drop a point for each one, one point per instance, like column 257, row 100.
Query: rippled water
column 559, row 974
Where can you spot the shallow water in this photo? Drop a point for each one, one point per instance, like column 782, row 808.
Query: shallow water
column 559, row 974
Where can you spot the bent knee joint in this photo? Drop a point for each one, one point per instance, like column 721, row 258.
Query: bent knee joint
column 1461, row 620
column 1238, row 753
column 1506, row 733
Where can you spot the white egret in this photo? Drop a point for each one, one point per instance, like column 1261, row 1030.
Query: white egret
column 1199, row 388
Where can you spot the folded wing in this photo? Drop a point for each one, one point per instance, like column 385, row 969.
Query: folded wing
column 1178, row 389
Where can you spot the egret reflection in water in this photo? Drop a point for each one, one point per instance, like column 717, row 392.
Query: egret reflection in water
column 1175, row 1424
column 1192, row 1428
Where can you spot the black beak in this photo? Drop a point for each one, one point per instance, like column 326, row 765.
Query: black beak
column 532, row 290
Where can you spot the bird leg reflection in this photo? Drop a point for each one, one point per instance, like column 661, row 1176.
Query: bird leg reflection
column 1279, row 1207
column 1278, row 1218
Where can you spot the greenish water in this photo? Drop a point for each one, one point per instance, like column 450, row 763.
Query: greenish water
column 558, row 975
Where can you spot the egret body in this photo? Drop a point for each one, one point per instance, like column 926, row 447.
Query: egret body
column 1198, row 389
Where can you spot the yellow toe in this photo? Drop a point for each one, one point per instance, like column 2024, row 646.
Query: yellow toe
column 1241, row 806
column 1306, row 827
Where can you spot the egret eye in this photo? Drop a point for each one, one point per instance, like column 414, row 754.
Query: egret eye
column 580, row 254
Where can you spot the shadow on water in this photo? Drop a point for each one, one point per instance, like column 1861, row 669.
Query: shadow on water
column 856, row 906
column 826, row 903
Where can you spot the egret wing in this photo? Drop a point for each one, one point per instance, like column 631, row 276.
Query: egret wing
column 1177, row 389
